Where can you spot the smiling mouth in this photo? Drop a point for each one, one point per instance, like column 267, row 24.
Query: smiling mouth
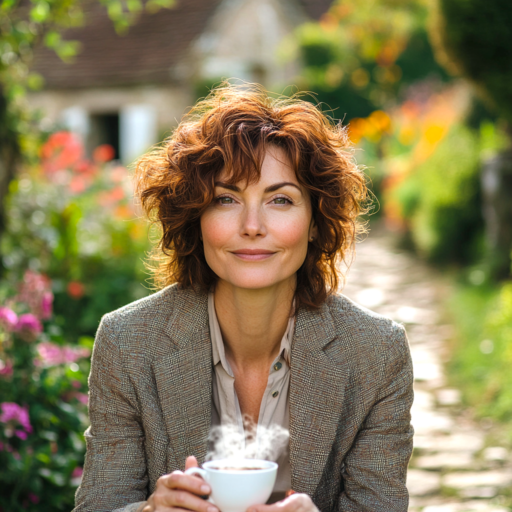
column 253, row 254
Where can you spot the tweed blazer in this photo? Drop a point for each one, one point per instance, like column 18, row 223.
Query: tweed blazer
column 150, row 403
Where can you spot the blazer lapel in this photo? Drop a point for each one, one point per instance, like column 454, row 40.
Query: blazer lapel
column 317, row 388
column 183, row 374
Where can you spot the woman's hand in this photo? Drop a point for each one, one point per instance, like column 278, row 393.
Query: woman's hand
column 178, row 492
column 295, row 503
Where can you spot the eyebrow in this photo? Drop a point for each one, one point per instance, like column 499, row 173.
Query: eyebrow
column 271, row 188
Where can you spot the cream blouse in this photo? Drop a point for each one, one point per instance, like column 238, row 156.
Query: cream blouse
column 274, row 407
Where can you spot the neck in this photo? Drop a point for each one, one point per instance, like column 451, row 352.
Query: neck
column 253, row 322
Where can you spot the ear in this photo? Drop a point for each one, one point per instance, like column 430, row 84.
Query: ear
column 313, row 232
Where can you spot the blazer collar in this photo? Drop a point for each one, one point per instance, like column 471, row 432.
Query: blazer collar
column 183, row 377
column 317, row 386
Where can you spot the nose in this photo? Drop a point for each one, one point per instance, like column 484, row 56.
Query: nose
column 252, row 222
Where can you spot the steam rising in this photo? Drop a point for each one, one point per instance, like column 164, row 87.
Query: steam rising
column 255, row 442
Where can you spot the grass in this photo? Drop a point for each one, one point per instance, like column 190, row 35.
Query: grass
column 481, row 362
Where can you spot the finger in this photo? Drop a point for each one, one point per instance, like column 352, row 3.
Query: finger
column 191, row 462
column 188, row 501
column 296, row 502
column 190, row 483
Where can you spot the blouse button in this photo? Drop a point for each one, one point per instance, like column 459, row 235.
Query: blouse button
column 275, row 393
column 277, row 366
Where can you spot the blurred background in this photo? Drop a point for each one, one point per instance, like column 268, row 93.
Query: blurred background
column 424, row 88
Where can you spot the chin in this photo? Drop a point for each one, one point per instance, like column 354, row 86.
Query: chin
column 254, row 281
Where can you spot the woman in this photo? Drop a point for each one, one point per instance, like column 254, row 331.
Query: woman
column 257, row 200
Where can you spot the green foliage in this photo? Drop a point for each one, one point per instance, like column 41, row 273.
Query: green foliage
column 441, row 200
column 361, row 55
column 473, row 39
column 77, row 224
column 482, row 356
column 23, row 27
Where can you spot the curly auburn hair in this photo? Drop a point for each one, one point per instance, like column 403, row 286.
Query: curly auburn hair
column 231, row 129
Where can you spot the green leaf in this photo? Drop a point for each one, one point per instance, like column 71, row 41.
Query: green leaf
column 134, row 5
column 7, row 5
column 40, row 12
column 35, row 81
column 44, row 458
column 47, row 434
column 52, row 39
column 67, row 49
column 86, row 341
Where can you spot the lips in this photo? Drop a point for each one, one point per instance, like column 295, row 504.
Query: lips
column 253, row 254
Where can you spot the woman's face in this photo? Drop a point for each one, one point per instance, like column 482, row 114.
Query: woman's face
column 257, row 237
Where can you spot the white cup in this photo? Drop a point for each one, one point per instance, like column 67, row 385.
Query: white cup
column 238, row 483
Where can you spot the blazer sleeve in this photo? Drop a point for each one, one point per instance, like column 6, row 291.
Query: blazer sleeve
column 114, row 477
column 375, row 468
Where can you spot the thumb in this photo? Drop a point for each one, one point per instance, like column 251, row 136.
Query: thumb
column 191, row 462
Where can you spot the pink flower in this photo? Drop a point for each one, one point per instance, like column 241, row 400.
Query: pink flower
column 6, row 368
column 36, row 292
column 46, row 305
column 77, row 472
column 8, row 318
column 76, row 476
column 29, row 327
column 52, row 354
column 14, row 415
column 82, row 397
column 21, row 434
column 33, row 497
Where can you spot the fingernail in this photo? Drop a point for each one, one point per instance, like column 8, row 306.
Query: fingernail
column 212, row 509
column 206, row 490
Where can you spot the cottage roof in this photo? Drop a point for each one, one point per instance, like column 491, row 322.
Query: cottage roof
column 147, row 53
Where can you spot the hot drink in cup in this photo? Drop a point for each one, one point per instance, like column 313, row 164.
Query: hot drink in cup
column 238, row 483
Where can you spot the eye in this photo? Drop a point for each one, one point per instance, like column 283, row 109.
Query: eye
column 224, row 200
column 281, row 200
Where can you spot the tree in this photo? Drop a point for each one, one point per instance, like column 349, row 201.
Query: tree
column 473, row 39
column 362, row 54
column 24, row 26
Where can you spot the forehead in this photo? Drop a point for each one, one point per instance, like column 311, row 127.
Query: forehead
column 271, row 165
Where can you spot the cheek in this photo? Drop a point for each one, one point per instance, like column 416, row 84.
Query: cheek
column 216, row 231
column 293, row 233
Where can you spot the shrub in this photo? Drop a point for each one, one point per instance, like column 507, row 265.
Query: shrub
column 43, row 385
column 74, row 219
column 441, row 200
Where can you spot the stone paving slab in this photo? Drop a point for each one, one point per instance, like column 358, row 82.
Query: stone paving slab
column 482, row 478
column 454, row 468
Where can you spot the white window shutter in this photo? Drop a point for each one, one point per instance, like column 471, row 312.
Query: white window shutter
column 137, row 131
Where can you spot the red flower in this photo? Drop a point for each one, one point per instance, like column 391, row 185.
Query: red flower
column 103, row 153
column 62, row 150
column 75, row 289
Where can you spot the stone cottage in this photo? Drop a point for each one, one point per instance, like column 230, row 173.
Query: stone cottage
column 130, row 91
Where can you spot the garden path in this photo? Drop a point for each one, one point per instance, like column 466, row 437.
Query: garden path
column 455, row 465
